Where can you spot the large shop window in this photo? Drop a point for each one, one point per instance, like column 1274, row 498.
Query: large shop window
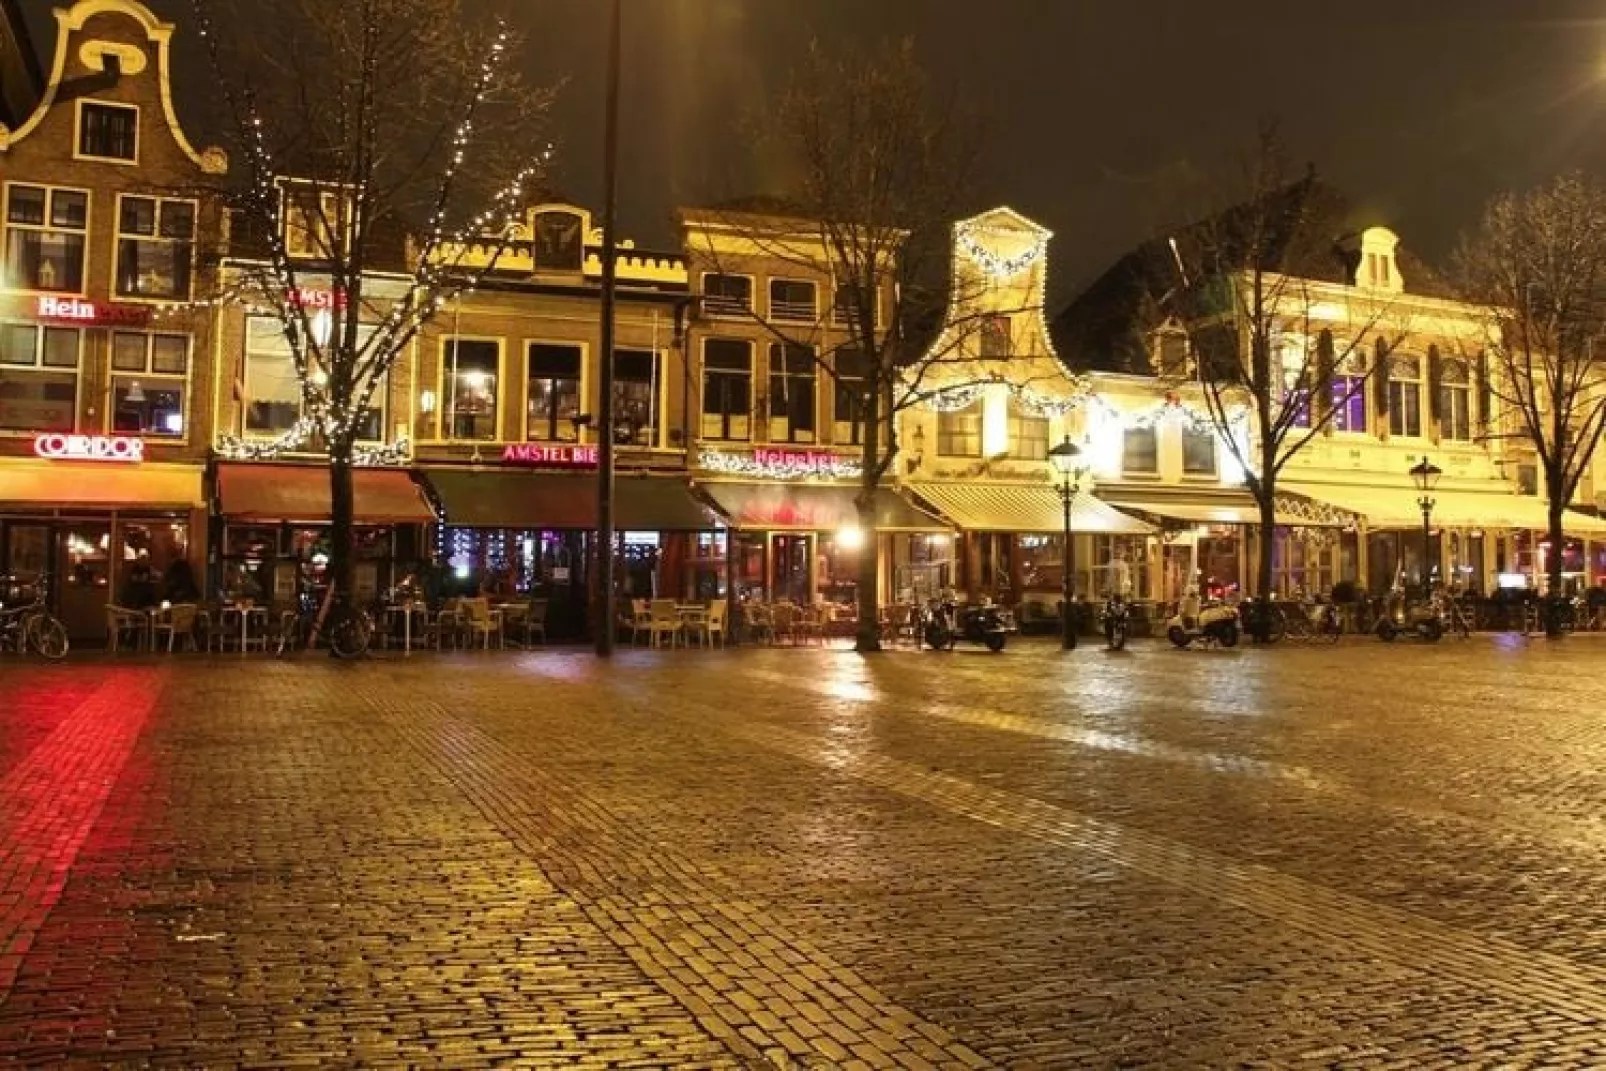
column 108, row 131
column 636, row 378
column 727, row 389
column 1028, row 435
column 472, row 369
column 554, row 393
column 1405, row 396
column 959, row 431
column 273, row 401
column 39, row 377
column 155, row 247
column 150, row 376
column 46, row 231
column 792, row 395
column 1140, row 451
column 1198, row 452
column 1455, row 400
column 851, row 401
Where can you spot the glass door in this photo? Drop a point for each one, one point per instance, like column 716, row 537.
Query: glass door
column 792, row 560
column 84, row 587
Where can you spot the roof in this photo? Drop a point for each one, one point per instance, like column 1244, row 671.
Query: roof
column 1105, row 327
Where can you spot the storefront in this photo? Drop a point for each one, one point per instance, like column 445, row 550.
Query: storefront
column 271, row 523
column 523, row 530
column 803, row 542
column 99, row 524
column 1011, row 547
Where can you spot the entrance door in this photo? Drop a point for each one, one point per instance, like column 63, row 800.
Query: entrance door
column 792, row 568
column 84, row 587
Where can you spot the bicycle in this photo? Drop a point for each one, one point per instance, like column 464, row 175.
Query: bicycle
column 1458, row 617
column 348, row 633
column 27, row 624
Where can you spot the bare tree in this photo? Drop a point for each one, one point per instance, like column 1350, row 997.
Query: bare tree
column 1254, row 285
column 1537, row 264
column 381, row 139
column 878, row 170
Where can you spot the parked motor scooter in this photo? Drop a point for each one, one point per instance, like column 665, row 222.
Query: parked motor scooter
column 1117, row 620
column 946, row 623
column 1203, row 623
column 1424, row 620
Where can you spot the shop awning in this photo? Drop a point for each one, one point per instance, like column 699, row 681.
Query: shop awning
column 1197, row 507
column 268, row 492
column 1022, row 508
column 1396, row 507
column 777, row 507
column 70, row 485
column 563, row 500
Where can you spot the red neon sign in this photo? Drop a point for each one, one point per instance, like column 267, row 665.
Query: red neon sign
column 57, row 446
column 306, row 297
column 573, row 457
column 88, row 314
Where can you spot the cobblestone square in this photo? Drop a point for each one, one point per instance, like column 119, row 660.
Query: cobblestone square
column 1362, row 856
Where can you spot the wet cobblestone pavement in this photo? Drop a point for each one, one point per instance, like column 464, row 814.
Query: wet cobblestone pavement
column 1365, row 856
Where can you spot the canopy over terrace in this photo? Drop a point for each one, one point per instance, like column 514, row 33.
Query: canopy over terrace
column 1023, row 508
column 1399, row 507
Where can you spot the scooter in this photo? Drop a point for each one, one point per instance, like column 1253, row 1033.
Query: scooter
column 1117, row 619
column 1426, row 621
column 946, row 623
column 1206, row 624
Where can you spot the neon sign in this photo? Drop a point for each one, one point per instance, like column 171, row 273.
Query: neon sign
column 56, row 446
column 89, row 314
column 306, row 297
column 571, row 457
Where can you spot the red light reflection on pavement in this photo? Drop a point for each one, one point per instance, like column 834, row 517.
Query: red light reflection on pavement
column 50, row 800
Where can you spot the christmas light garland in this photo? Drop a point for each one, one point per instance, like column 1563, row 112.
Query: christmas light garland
column 790, row 466
column 967, row 235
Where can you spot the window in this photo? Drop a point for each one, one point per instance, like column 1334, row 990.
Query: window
column 1378, row 269
column 1171, row 353
column 1295, row 362
column 1455, row 400
column 309, row 222
column 727, row 389
column 1349, row 396
column 727, row 294
column 46, row 229
column 273, row 397
column 1028, row 435
column 149, row 377
column 792, row 301
column 155, row 247
column 1405, row 396
column 995, row 338
column 959, row 431
column 472, row 367
column 846, row 303
column 792, row 396
column 108, row 131
column 636, row 376
column 850, row 400
column 39, row 377
column 1198, row 452
column 553, row 401
column 559, row 242
column 1140, row 451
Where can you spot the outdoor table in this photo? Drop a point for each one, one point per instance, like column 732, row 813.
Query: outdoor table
column 407, row 611
column 246, row 613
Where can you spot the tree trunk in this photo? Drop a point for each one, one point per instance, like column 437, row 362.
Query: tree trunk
column 1260, row 618
column 867, row 636
column 342, row 535
column 1553, row 564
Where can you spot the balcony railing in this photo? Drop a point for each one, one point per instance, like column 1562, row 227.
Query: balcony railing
column 796, row 312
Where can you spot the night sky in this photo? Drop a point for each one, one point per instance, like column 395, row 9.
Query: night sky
column 1421, row 109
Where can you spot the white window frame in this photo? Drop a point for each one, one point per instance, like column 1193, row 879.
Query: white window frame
column 1419, row 381
column 524, row 402
column 329, row 210
column 78, row 131
column 813, row 375
column 702, row 393
column 443, row 411
column 1128, row 470
column 381, row 392
column 791, row 312
column 839, row 319
column 1446, row 391
column 117, row 242
column 720, row 308
column 47, row 228
column 660, row 393
column 113, row 374
column 1214, row 472
column 40, row 368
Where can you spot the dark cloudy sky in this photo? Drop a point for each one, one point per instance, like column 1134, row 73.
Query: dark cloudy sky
column 1420, row 108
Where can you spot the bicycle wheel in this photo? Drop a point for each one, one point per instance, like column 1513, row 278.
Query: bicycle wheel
column 349, row 637
column 47, row 636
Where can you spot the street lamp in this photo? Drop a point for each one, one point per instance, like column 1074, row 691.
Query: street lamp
column 1067, row 459
column 605, row 415
column 1425, row 474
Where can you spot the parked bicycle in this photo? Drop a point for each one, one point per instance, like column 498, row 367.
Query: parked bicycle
column 1314, row 620
column 346, row 629
column 26, row 624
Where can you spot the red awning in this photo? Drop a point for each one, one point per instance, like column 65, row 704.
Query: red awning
column 266, row 492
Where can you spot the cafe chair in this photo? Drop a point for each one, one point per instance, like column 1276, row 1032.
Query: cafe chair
column 482, row 623
column 178, row 623
column 124, row 625
column 535, row 621
column 711, row 624
column 663, row 620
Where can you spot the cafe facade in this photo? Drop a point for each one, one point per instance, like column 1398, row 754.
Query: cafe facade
column 105, row 366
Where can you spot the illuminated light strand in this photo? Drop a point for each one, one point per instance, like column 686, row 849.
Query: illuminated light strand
column 727, row 463
column 968, row 235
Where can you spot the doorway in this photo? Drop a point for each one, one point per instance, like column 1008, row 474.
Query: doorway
column 792, row 557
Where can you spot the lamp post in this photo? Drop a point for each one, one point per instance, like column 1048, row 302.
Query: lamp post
column 604, row 424
column 1425, row 474
column 1067, row 459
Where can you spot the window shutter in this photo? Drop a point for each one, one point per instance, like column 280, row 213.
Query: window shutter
column 1323, row 386
column 1380, row 382
column 1435, row 381
column 1485, row 393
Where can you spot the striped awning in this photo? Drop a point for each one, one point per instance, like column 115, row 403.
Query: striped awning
column 1027, row 508
column 1398, row 507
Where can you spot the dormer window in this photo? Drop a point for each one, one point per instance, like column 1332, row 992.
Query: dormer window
column 559, row 241
column 1378, row 265
column 1377, row 269
column 1171, row 352
column 108, row 132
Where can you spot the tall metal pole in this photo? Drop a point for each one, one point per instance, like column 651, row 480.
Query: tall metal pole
column 1427, row 546
column 1068, row 563
column 604, row 424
